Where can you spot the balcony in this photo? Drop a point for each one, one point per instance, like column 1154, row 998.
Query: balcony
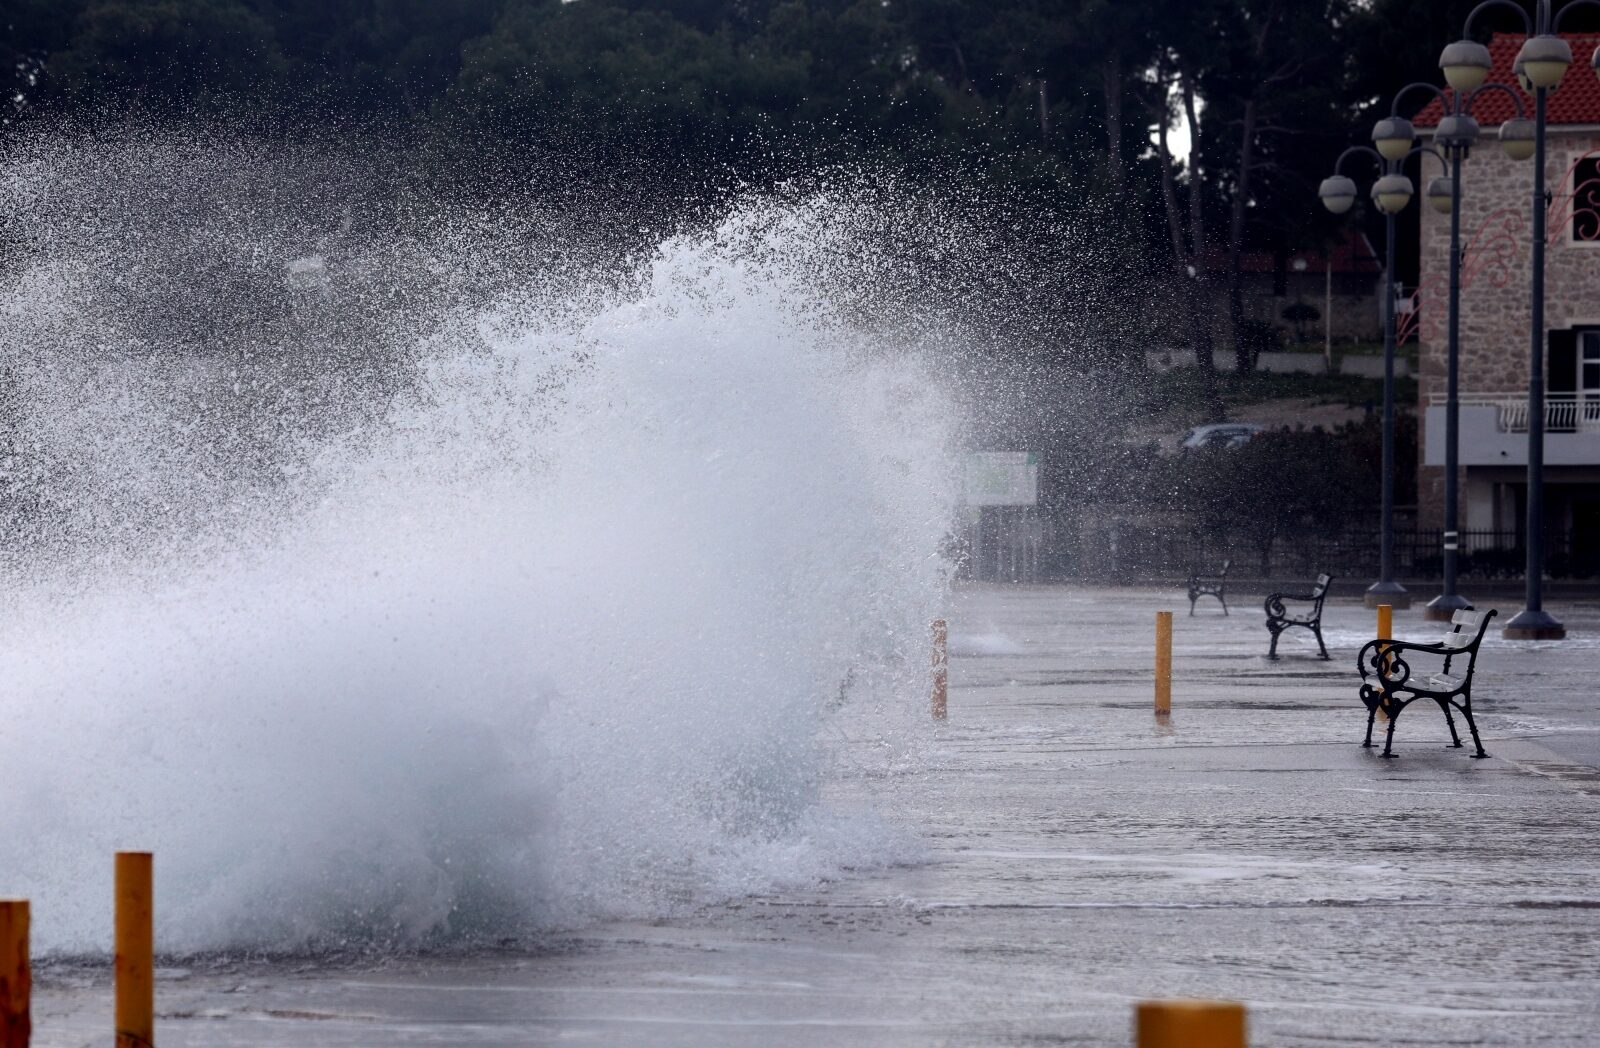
column 1494, row 430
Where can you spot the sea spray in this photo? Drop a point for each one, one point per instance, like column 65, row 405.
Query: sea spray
column 444, row 587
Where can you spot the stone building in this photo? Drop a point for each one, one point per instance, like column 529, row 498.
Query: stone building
column 1495, row 317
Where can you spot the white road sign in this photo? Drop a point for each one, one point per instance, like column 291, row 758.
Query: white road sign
column 1002, row 478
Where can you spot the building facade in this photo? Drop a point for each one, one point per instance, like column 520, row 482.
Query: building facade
column 1496, row 343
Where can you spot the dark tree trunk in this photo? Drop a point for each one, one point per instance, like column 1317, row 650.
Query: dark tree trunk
column 1244, row 359
column 1243, row 350
column 1200, row 283
column 961, row 65
column 1187, row 267
column 1111, row 84
column 1197, row 214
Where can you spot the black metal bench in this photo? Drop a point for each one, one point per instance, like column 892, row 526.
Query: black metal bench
column 1391, row 684
column 1209, row 586
column 1280, row 617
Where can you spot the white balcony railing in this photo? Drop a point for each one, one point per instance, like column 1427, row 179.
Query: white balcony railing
column 1563, row 412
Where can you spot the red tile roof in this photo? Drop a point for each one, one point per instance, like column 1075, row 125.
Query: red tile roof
column 1575, row 101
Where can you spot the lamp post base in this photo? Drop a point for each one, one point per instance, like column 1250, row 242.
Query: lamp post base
column 1533, row 625
column 1390, row 593
column 1443, row 607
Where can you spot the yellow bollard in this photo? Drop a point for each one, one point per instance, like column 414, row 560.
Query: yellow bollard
column 1385, row 632
column 135, row 966
column 1188, row 1024
column 16, row 978
column 1163, row 663
column 941, row 668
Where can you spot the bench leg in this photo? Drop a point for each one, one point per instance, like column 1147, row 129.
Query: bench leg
column 1472, row 726
column 1272, row 649
column 1372, row 715
column 1455, row 739
column 1191, row 603
column 1388, row 738
column 1316, row 627
column 1224, row 601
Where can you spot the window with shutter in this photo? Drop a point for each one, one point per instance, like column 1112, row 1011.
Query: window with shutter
column 1589, row 381
column 1563, row 375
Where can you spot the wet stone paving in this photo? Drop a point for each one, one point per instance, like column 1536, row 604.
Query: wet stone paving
column 1081, row 856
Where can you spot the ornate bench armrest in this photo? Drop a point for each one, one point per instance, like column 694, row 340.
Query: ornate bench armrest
column 1379, row 659
column 1274, row 605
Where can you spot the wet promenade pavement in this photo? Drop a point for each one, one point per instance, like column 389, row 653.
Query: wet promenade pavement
column 1080, row 856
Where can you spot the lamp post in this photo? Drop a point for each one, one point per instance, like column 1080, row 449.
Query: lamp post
column 1391, row 192
column 1541, row 65
column 1455, row 136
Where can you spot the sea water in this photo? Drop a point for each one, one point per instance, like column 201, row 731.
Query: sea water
column 403, row 574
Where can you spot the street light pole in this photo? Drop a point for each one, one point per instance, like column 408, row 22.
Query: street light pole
column 1391, row 192
column 1541, row 65
column 1386, row 590
column 1393, row 138
column 1447, row 603
column 1456, row 134
column 1533, row 622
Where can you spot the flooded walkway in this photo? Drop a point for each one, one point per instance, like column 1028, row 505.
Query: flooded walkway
column 1080, row 856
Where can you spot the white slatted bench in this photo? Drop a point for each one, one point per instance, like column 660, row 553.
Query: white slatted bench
column 1280, row 617
column 1201, row 585
column 1390, row 683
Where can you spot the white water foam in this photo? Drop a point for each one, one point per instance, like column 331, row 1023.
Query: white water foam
column 546, row 622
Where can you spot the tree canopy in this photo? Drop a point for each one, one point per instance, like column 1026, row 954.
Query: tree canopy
column 1079, row 100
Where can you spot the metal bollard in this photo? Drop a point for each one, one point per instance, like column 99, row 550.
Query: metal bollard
column 16, row 976
column 941, row 668
column 1163, row 663
column 135, row 966
column 1188, row 1024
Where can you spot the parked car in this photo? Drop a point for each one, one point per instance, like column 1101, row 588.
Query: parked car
column 1222, row 435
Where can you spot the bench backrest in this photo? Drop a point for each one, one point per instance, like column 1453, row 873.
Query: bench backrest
column 1467, row 628
column 1320, row 590
column 1197, row 570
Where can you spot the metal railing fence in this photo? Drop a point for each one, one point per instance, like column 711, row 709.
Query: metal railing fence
column 1140, row 554
column 1563, row 412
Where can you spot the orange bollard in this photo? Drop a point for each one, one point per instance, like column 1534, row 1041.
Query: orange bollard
column 941, row 668
column 1385, row 632
column 135, row 966
column 1163, row 663
column 1188, row 1024
column 16, row 976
